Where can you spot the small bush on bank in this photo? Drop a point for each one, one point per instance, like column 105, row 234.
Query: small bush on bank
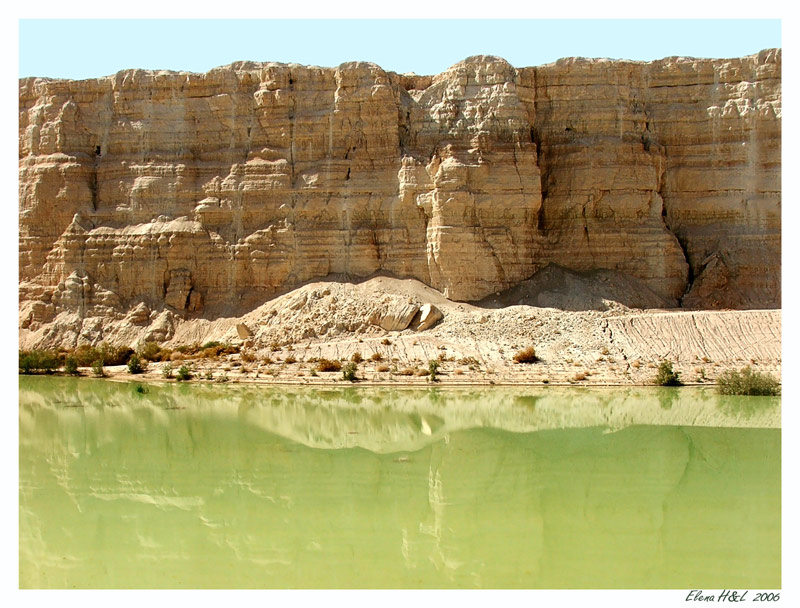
column 184, row 374
column 135, row 364
column 747, row 382
column 71, row 366
column 115, row 355
column 209, row 350
column 356, row 358
column 666, row 376
column 349, row 371
column 166, row 371
column 85, row 354
column 97, row 368
column 526, row 355
column 151, row 351
column 327, row 365
column 382, row 367
column 433, row 369
column 38, row 361
column 377, row 357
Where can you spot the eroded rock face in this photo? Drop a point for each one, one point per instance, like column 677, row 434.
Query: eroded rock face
column 209, row 193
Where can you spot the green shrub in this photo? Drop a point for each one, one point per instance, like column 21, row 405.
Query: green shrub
column 213, row 349
column 85, row 354
column 114, row 355
column 35, row 361
column 433, row 368
column 349, row 371
column 666, row 376
column 328, row 365
column 151, row 351
column 26, row 362
column 526, row 355
column 97, row 368
column 135, row 364
column 71, row 366
column 166, row 371
column 747, row 382
column 184, row 374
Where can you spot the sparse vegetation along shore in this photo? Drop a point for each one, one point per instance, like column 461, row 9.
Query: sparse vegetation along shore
column 349, row 371
column 329, row 365
column 747, row 382
column 407, row 358
column 526, row 355
column 666, row 376
column 38, row 361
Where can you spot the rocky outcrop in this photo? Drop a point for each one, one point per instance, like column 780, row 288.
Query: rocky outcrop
column 427, row 317
column 207, row 194
column 396, row 316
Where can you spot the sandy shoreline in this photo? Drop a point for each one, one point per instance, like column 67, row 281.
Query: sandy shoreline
column 281, row 341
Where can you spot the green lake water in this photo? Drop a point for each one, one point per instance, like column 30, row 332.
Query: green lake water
column 193, row 486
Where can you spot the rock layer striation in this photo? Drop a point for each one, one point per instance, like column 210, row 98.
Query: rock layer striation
column 147, row 194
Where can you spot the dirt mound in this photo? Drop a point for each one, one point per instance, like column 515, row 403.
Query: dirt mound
column 281, row 339
column 557, row 287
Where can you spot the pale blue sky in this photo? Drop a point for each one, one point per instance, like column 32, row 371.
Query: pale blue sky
column 79, row 48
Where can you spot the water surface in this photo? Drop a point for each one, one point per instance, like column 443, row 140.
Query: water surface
column 208, row 486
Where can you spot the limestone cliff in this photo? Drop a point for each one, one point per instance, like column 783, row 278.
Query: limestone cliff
column 206, row 194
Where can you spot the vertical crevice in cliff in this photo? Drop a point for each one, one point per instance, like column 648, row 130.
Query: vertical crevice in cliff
column 536, row 139
column 430, row 256
column 292, row 107
column 93, row 178
column 668, row 222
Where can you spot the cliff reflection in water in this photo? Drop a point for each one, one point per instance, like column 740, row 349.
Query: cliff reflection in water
column 205, row 486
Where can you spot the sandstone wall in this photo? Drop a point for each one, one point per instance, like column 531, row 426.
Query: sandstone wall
column 209, row 193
